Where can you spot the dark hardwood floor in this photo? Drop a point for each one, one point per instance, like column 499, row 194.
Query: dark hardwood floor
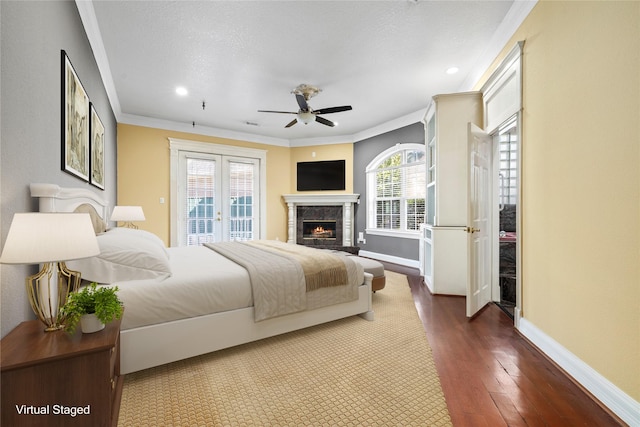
column 492, row 376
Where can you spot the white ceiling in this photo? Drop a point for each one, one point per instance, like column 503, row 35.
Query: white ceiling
column 384, row 58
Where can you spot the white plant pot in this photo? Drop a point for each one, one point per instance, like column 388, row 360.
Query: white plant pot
column 90, row 323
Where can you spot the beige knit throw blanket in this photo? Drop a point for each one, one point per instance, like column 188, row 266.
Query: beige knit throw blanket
column 321, row 268
column 282, row 273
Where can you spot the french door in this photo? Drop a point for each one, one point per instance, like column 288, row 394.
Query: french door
column 478, row 246
column 217, row 198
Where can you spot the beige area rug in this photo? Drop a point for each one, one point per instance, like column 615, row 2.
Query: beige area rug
column 350, row 372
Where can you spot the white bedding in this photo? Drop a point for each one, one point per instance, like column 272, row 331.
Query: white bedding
column 201, row 282
column 177, row 311
column 204, row 282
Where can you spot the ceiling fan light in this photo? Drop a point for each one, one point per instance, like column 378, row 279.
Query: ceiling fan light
column 306, row 117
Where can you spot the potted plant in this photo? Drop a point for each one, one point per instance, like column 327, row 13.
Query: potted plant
column 93, row 306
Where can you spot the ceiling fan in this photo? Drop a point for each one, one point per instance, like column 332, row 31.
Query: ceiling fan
column 306, row 114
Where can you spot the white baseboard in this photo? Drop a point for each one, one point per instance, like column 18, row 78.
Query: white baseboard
column 517, row 315
column 390, row 258
column 606, row 392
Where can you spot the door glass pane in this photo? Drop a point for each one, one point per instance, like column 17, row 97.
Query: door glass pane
column 508, row 166
column 241, row 197
column 201, row 212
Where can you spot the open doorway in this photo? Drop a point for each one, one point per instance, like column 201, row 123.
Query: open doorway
column 506, row 154
column 502, row 97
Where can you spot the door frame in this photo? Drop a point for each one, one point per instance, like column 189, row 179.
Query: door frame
column 496, row 214
column 178, row 145
column 502, row 99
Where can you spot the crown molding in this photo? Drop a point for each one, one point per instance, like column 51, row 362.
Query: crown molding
column 519, row 11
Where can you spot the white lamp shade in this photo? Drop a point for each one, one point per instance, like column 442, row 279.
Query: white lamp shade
column 36, row 238
column 127, row 213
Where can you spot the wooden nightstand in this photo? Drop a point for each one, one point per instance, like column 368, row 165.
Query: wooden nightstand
column 53, row 378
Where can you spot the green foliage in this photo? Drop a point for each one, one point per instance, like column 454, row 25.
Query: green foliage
column 392, row 161
column 101, row 300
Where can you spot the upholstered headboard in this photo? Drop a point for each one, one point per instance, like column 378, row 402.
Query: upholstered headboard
column 54, row 198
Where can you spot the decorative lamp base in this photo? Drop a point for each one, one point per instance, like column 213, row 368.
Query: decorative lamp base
column 47, row 296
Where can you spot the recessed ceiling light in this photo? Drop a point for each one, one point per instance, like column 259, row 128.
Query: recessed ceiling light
column 452, row 70
column 182, row 91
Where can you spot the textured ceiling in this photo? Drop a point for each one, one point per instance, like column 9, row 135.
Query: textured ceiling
column 384, row 58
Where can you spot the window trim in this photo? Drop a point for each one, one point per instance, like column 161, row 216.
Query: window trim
column 370, row 191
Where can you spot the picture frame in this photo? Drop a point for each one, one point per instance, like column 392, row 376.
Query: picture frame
column 96, row 145
column 75, row 122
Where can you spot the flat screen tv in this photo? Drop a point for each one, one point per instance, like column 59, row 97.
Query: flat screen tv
column 321, row 175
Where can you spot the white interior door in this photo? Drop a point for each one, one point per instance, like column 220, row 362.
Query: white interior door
column 478, row 225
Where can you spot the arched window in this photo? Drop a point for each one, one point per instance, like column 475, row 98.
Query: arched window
column 396, row 189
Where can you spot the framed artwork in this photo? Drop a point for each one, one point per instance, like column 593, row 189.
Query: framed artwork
column 96, row 144
column 75, row 123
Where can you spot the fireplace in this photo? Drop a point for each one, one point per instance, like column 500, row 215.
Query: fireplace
column 319, row 229
column 322, row 220
column 319, row 226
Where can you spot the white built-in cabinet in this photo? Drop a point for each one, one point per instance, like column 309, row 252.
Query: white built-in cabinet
column 443, row 242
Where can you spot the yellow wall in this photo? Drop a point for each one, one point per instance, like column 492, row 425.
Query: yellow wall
column 581, row 182
column 144, row 176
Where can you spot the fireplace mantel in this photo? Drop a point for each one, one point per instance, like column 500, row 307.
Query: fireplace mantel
column 320, row 199
column 344, row 200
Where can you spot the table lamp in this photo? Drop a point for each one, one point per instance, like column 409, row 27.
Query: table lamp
column 127, row 214
column 50, row 239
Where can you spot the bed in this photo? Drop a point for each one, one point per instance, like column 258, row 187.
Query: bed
column 176, row 309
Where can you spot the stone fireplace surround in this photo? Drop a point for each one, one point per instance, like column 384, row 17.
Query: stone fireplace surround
column 319, row 213
column 337, row 207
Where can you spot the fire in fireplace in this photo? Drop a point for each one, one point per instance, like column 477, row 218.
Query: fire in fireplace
column 319, row 229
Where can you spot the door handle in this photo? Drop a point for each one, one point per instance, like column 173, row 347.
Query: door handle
column 471, row 230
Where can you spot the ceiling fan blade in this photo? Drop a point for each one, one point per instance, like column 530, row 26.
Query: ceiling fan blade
column 333, row 109
column 291, row 123
column 302, row 102
column 282, row 112
column 324, row 121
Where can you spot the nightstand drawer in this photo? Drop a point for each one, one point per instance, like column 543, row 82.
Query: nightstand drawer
column 57, row 379
column 114, row 365
column 116, row 380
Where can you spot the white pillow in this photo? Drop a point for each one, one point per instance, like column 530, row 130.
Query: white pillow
column 143, row 234
column 125, row 256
